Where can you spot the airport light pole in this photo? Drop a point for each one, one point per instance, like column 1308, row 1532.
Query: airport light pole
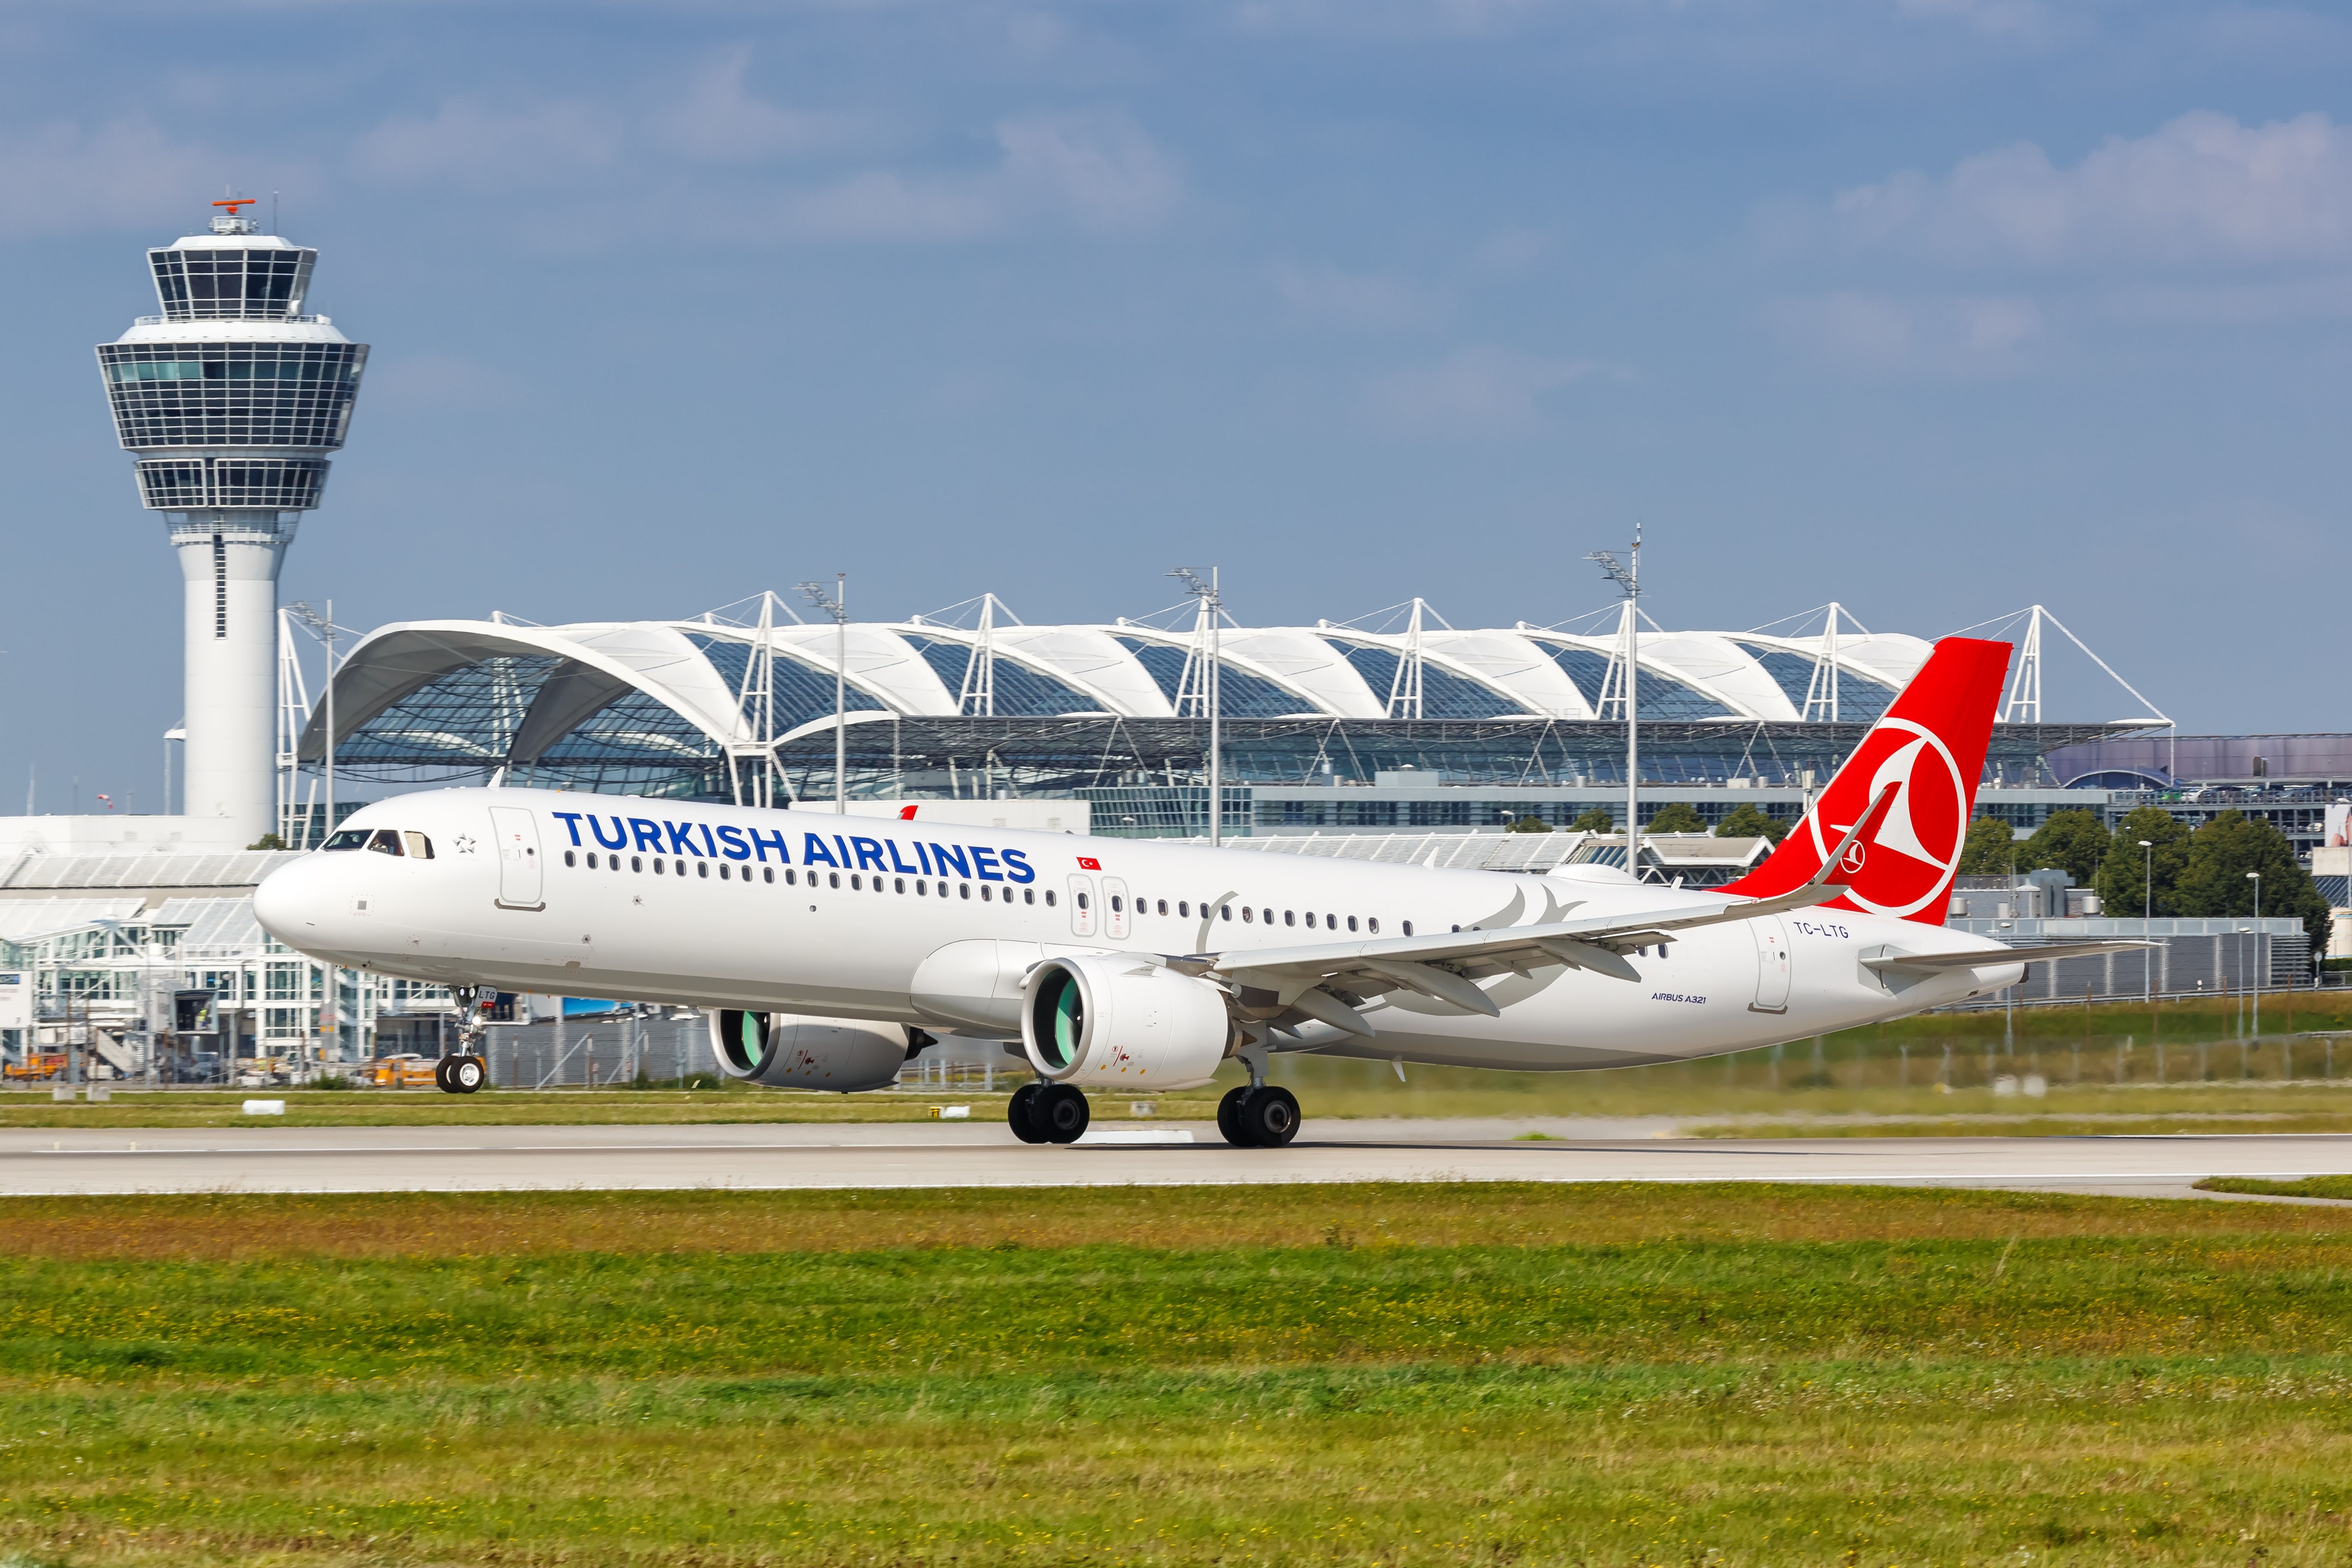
column 836, row 605
column 2148, row 913
column 1628, row 578
column 2256, row 879
column 1212, row 606
column 323, row 628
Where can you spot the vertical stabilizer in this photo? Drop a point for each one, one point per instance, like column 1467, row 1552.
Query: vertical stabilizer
column 1930, row 745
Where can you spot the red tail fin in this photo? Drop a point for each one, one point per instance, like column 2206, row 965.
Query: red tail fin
column 1931, row 743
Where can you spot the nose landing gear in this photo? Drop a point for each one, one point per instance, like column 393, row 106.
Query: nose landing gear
column 468, row 1072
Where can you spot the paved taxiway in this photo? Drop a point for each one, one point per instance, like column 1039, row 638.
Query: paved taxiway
column 922, row 1154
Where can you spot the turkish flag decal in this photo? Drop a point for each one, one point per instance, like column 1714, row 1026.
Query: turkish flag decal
column 1088, row 863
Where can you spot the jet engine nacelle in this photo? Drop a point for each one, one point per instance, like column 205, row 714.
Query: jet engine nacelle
column 786, row 1050
column 1101, row 1021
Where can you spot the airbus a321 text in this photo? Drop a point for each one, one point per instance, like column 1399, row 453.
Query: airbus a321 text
column 828, row 950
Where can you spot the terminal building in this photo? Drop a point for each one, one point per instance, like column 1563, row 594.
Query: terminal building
column 1324, row 727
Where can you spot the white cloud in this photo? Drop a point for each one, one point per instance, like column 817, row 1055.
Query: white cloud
column 1096, row 170
column 65, row 176
column 1389, row 19
column 1872, row 333
column 1999, row 19
column 2200, row 190
column 551, row 142
column 1481, row 391
column 721, row 120
column 1359, row 300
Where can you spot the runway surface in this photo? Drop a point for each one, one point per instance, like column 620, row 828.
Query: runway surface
column 953, row 1154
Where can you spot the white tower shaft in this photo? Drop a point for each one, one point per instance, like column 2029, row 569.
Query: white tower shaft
column 228, row 563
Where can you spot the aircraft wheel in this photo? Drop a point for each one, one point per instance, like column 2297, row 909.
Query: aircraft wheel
column 1021, row 1112
column 441, row 1079
column 468, row 1074
column 1268, row 1115
column 1228, row 1120
column 1063, row 1113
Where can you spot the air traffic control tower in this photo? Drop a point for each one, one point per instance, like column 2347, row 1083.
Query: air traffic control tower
column 232, row 399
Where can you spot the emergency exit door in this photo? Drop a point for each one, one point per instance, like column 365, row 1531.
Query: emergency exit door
column 1772, row 964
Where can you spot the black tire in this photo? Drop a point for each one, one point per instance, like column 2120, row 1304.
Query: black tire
column 1269, row 1116
column 1229, row 1117
column 441, row 1079
column 468, row 1074
column 1021, row 1112
column 1063, row 1113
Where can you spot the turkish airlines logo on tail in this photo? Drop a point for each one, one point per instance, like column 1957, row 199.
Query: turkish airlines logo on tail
column 1907, row 863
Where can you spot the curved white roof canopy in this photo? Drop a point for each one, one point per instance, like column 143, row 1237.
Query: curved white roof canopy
column 487, row 693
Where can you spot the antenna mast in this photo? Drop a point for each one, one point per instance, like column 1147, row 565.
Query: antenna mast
column 1211, row 612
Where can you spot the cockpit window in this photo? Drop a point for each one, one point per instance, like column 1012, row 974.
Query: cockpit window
column 419, row 847
column 385, row 842
column 348, row 838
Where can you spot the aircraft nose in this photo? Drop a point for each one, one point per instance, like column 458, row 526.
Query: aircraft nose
column 293, row 901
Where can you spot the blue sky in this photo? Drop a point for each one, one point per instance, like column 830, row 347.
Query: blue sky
column 1937, row 307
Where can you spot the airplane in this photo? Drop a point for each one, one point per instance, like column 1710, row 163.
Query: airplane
column 826, row 951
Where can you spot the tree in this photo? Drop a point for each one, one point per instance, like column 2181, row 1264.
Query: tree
column 1990, row 850
column 268, row 841
column 2074, row 842
column 1746, row 822
column 2122, row 881
column 1677, row 816
column 1596, row 820
column 2215, row 883
column 1528, row 824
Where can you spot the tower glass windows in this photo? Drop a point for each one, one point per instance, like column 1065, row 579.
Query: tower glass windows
column 232, row 394
column 268, row 484
column 238, row 283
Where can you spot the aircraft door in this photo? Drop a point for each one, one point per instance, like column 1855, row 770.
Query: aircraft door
column 515, row 831
column 1772, row 964
column 1114, row 912
column 1082, row 906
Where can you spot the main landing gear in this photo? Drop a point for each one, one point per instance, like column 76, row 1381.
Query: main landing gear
column 1043, row 1112
column 1258, row 1116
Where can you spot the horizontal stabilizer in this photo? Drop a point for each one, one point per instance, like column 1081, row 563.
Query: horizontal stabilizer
column 1987, row 958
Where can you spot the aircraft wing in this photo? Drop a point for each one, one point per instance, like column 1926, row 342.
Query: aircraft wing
column 1327, row 980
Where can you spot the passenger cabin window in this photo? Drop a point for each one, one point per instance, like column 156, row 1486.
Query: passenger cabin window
column 385, row 842
column 347, row 838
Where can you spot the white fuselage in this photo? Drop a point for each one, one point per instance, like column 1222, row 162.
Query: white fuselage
column 934, row 925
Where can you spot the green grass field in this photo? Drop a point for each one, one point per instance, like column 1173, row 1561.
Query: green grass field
column 1395, row 1375
column 2179, row 1067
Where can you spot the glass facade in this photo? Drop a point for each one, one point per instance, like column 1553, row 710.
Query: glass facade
column 232, row 394
column 1021, row 693
column 1444, row 694
column 467, row 718
column 1240, row 694
column 1859, row 697
column 798, row 693
column 1661, row 697
column 234, row 283
column 271, row 484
